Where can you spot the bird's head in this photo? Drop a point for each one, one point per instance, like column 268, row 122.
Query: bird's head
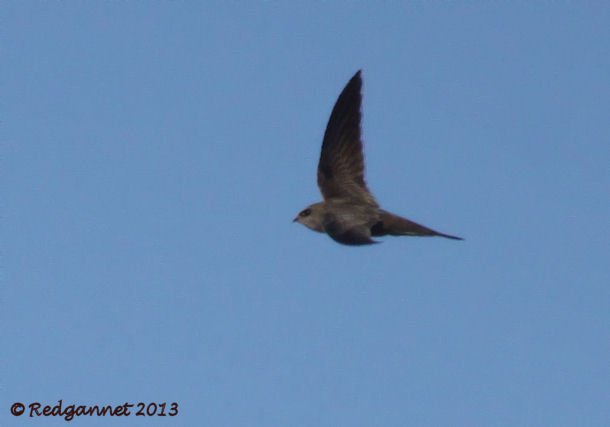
column 312, row 217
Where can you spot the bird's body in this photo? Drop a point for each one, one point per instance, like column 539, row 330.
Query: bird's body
column 350, row 222
column 349, row 213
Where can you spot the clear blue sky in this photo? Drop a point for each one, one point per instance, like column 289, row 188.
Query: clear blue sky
column 155, row 153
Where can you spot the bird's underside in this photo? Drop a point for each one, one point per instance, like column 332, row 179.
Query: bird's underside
column 349, row 213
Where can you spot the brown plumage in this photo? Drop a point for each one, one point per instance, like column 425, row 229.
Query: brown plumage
column 349, row 213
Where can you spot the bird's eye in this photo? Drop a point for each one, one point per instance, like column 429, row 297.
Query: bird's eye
column 306, row 212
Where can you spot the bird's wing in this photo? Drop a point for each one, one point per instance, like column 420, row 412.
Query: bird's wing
column 395, row 225
column 341, row 166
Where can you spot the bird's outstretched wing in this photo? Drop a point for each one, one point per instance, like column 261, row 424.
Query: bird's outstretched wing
column 394, row 225
column 341, row 166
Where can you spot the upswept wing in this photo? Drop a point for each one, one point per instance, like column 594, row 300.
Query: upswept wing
column 341, row 166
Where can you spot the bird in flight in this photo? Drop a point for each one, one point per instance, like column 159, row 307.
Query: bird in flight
column 349, row 213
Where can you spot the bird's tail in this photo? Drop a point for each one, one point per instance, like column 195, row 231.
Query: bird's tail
column 394, row 225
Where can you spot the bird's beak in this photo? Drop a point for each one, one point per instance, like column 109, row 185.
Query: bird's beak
column 295, row 219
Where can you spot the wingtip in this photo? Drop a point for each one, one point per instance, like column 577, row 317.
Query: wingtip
column 448, row 236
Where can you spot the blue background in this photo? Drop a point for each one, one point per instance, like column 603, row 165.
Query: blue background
column 155, row 153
